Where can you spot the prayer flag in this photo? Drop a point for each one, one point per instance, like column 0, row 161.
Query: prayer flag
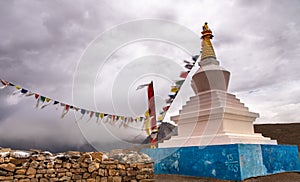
column 166, row 108
column 24, row 91
column 174, row 89
column 184, row 74
column 142, row 86
column 189, row 66
column 179, row 83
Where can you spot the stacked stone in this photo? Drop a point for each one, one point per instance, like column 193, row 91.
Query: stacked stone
column 35, row 165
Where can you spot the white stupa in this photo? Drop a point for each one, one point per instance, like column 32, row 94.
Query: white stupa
column 213, row 116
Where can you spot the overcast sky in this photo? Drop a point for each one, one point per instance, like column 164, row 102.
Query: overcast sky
column 42, row 42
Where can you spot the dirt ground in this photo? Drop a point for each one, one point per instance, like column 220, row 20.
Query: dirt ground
column 283, row 133
column 282, row 177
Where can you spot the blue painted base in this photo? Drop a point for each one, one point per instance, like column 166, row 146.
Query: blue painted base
column 228, row 162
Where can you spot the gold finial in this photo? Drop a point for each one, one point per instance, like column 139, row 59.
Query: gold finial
column 205, row 27
column 207, row 48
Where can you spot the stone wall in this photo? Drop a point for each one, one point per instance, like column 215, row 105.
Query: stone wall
column 35, row 165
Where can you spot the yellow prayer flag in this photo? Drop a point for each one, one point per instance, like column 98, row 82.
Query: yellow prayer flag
column 174, row 89
column 160, row 118
column 18, row 87
column 47, row 99
column 122, row 118
column 147, row 126
column 101, row 115
column 147, row 114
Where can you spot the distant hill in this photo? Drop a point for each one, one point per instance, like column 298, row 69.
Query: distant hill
column 283, row 133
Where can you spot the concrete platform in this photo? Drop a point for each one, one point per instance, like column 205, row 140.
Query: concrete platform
column 227, row 162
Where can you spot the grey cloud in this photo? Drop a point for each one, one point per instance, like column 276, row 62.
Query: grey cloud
column 41, row 42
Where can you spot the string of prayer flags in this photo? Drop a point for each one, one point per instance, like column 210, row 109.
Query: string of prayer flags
column 43, row 101
column 175, row 89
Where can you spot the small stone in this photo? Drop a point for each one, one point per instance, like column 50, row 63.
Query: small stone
column 117, row 178
column 58, row 161
column 74, row 154
column 98, row 178
column 49, row 175
column 8, row 167
column 83, row 164
column 18, row 162
column 69, row 174
column 31, row 171
column 86, row 175
column 34, row 180
column 61, row 170
column 3, row 173
column 41, row 171
column 30, row 176
column 18, row 154
column 2, row 150
column 120, row 166
column 1, row 160
column 34, row 164
column 93, row 167
column 20, row 176
column 57, row 166
column 44, row 180
column 50, row 171
column 59, row 175
column 102, row 172
column 67, row 165
column 111, row 166
column 90, row 180
column 24, row 180
column 113, row 172
column 76, row 177
column 40, row 158
column 97, row 155
column 50, row 165
column 53, row 179
column 103, row 179
column 75, row 165
column 140, row 176
column 20, row 171
column 65, row 178
column 39, row 175
column 122, row 172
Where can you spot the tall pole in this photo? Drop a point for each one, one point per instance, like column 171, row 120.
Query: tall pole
column 151, row 106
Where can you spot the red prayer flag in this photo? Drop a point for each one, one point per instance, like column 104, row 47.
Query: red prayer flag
column 36, row 96
column 183, row 74
column 166, row 108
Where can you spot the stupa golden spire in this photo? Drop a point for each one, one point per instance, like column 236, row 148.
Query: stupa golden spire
column 207, row 48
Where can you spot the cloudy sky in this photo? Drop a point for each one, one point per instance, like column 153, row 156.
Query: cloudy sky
column 43, row 44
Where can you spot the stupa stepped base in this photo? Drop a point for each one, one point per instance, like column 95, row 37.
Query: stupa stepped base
column 215, row 117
